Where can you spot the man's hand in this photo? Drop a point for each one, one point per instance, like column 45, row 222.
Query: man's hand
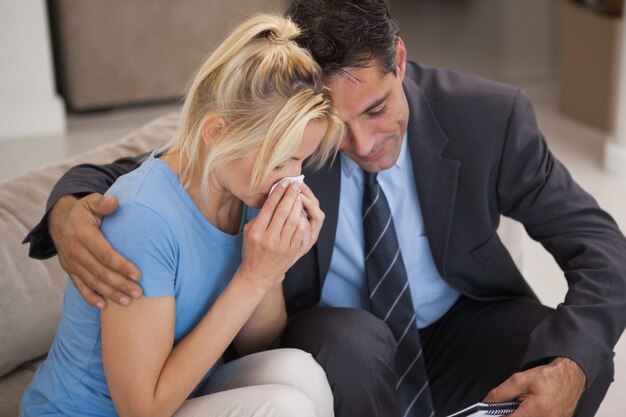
column 551, row 390
column 96, row 269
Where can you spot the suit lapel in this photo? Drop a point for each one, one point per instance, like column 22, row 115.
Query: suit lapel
column 304, row 281
column 326, row 185
column 435, row 175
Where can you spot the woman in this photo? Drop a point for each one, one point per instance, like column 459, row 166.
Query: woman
column 211, row 271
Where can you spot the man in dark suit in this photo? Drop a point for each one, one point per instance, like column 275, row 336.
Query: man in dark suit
column 453, row 153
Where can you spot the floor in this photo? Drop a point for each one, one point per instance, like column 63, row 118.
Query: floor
column 84, row 131
column 577, row 145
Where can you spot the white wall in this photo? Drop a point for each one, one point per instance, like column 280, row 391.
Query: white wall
column 615, row 146
column 29, row 105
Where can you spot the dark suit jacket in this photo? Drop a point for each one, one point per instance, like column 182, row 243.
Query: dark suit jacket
column 477, row 153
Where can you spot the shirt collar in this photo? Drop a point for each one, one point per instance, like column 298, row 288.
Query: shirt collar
column 349, row 167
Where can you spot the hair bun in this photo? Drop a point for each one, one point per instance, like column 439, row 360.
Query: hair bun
column 275, row 38
column 284, row 32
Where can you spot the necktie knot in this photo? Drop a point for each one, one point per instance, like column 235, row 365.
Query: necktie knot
column 370, row 178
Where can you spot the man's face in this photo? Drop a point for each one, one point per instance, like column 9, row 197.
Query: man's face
column 375, row 111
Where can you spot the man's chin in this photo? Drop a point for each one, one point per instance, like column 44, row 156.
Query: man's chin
column 375, row 166
column 384, row 162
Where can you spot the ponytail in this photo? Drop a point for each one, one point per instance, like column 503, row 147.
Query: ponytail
column 266, row 88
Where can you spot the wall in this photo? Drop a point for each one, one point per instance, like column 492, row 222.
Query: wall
column 513, row 41
column 29, row 105
column 615, row 146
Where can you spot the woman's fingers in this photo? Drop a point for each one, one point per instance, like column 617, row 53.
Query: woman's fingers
column 314, row 213
column 290, row 228
column 302, row 237
column 264, row 218
column 283, row 210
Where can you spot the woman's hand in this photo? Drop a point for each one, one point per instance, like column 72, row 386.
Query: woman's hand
column 279, row 235
column 314, row 214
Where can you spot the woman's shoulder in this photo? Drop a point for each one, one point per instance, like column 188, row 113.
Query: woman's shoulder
column 146, row 205
column 150, row 190
column 149, row 179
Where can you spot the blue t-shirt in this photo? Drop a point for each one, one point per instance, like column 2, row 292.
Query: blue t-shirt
column 158, row 228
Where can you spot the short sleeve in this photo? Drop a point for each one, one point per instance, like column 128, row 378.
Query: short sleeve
column 142, row 236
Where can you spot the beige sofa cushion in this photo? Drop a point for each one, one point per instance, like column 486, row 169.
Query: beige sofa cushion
column 30, row 299
column 12, row 387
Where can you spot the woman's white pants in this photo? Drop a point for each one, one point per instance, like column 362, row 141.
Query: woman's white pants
column 273, row 383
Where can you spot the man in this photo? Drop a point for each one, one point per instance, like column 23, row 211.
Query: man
column 452, row 153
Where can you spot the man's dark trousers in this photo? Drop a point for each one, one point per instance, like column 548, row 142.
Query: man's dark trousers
column 470, row 350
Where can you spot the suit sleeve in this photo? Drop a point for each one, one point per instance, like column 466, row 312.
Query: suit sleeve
column 536, row 189
column 79, row 181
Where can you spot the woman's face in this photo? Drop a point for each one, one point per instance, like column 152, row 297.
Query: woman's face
column 237, row 175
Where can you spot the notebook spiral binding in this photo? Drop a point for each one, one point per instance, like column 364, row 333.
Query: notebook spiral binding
column 498, row 409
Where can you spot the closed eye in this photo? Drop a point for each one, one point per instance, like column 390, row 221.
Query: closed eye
column 378, row 112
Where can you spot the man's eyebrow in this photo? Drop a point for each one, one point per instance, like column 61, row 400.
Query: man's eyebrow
column 376, row 103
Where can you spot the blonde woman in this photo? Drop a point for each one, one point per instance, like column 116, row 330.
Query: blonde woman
column 211, row 269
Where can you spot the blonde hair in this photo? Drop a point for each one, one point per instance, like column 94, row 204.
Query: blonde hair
column 267, row 89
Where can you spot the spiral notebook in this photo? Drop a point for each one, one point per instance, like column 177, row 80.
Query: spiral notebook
column 487, row 409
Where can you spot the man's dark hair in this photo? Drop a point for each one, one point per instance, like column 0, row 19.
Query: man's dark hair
column 346, row 33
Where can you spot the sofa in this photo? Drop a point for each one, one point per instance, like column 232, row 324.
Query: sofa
column 120, row 53
column 31, row 291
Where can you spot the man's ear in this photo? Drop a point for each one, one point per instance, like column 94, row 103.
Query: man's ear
column 400, row 58
column 212, row 128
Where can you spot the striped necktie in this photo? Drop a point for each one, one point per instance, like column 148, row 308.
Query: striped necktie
column 390, row 300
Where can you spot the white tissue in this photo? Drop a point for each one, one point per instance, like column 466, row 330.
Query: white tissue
column 299, row 178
